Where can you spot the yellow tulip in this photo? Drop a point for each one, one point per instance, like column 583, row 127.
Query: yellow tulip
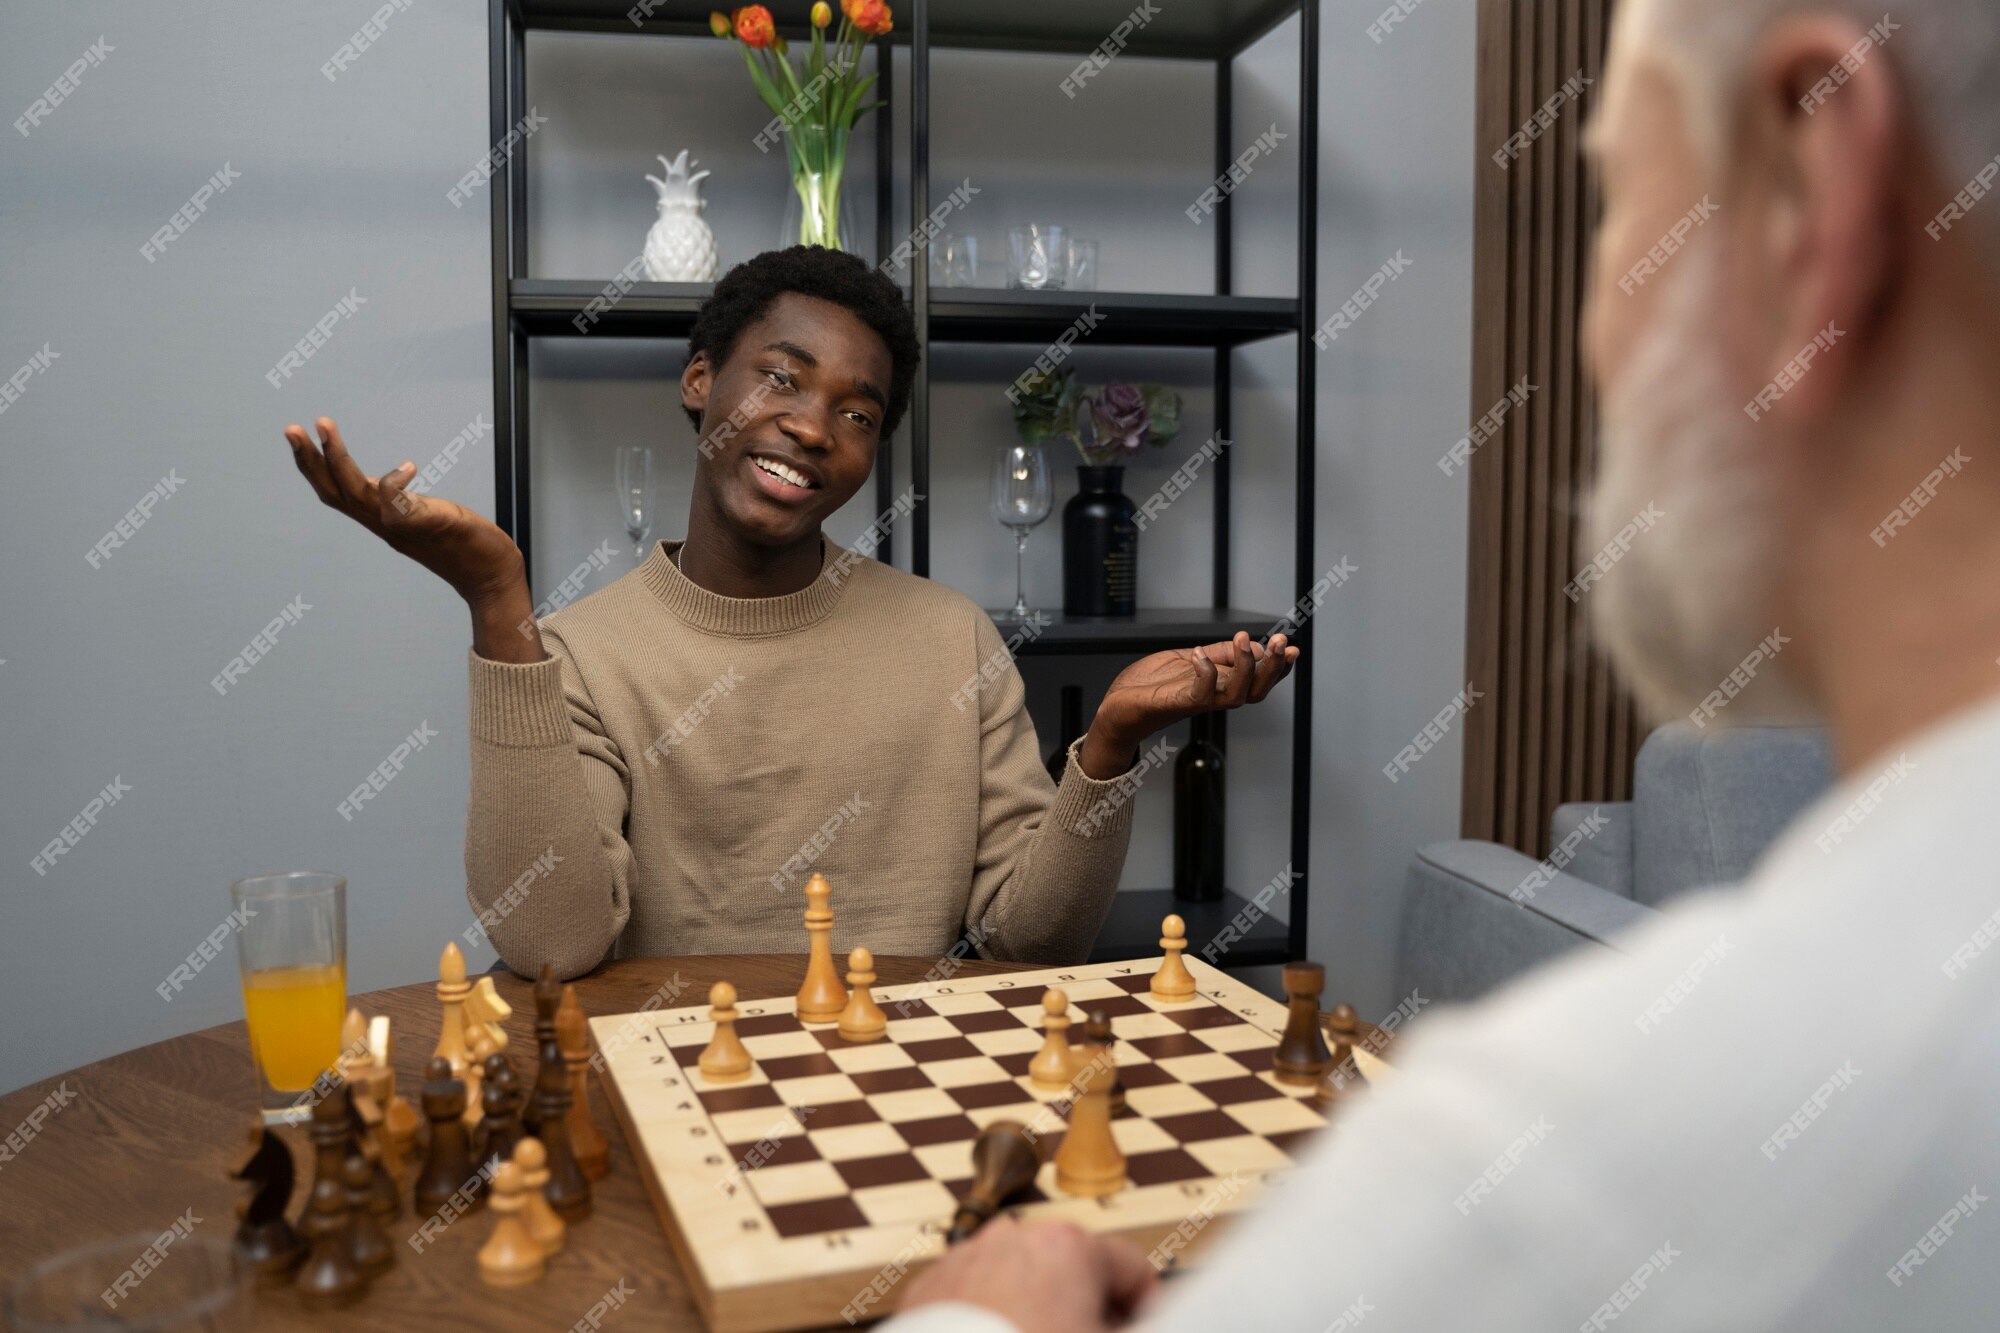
column 822, row 14
column 718, row 23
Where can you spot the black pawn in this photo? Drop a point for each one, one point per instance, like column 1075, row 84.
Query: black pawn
column 448, row 1163
column 367, row 1244
column 1302, row 1056
column 263, row 1237
column 330, row 1276
column 499, row 1119
column 568, row 1190
column 383, row 1200
column 1097, row 1032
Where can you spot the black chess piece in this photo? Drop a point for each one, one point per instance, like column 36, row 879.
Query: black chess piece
column 499, row 1120
column 1004, row 1162
column 1097, row 1032
column 367, row 1244
column 1302, row 1056
column 263, row 1237
column 568, row 1190
column 448, row 1161
column 384, row 1200
column 330, row 1276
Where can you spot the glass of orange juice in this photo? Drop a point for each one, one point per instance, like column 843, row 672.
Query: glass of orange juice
column 292, row 946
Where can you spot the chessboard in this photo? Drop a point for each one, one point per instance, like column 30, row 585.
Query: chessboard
column 812, row 1191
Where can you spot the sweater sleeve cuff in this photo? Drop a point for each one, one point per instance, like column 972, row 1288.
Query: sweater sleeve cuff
column 950, row 1317
column 1086, row 807
column 519, row 704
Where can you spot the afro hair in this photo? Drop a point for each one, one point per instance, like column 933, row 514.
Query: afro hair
column 748, row 291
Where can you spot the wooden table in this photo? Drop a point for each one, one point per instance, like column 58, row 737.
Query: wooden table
column 156, row 1131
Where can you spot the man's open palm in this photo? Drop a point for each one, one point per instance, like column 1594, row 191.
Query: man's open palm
column 465, row 549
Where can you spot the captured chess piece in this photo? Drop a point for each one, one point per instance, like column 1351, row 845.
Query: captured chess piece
column 330, row 1277
column 399, row 1118
column 593, row 1154
column 452, row 989
column 822, row 998
column 725, row 1059
column 385, row 1196
column 541, row 1219
column 1343, row 1076
column 1173, row 981
column 510, row 1257
column 1050, row 1067
column 1004, row 1162
column 568, row 1189
column 1302, row 1056
column 1089, row 1163
column 1097, row 1031
column 499, row 1127
column 862, row 1019
column 448, row 1164
column 263, row 1237
column 484, row 1013
column 367, row 1244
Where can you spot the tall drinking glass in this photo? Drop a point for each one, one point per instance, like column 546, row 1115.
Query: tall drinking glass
column 291, row 943
column 1022, row 495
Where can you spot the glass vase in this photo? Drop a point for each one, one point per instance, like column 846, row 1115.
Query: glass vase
column 815, row 211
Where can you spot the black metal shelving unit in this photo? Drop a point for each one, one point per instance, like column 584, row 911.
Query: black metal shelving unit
column 1212, row 31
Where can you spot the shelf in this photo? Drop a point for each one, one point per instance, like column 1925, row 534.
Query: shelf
column 549, row 307
column 1133, row 929
column 1149, row 631
column 1206, row 29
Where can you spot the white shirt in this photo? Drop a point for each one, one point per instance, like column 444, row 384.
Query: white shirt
column 1780, row 1111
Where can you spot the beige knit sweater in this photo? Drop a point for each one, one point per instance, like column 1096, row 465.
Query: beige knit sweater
column 669, row 777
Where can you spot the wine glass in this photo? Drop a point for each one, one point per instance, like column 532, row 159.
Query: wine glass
column 1022, row 495
column 635, row 492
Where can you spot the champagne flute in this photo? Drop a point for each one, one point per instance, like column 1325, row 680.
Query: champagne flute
column 635, row 493
column 1022, row 496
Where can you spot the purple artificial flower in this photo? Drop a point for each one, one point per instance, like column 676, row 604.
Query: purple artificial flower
column 1121, row 417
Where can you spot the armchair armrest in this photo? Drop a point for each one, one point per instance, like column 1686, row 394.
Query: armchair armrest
column 1476, row 914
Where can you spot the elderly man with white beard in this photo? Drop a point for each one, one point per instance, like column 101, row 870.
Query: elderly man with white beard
column 1776, row 1108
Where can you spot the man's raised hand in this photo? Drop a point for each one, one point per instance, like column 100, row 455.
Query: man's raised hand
column 465, row 549
column 1159, row 690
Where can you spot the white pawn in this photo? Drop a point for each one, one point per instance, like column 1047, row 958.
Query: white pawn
column 863, row 1019
column 544, row 1225
column 1173, row 981
column 726, row 1058
column 1050, row 1067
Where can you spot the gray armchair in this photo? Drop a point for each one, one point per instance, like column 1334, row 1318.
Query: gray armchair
column 1705, row 806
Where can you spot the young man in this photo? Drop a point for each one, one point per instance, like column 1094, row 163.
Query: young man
column 1774, row 1109
column 660, row 765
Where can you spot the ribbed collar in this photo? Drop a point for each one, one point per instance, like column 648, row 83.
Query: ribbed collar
column 742, row 617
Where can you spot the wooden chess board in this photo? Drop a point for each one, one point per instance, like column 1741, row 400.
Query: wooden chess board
column 815, row 1189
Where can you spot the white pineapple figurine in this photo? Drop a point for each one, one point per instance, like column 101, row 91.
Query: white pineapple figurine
column 680, row 247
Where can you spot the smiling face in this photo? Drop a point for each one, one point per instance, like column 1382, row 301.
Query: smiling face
column 790, row 420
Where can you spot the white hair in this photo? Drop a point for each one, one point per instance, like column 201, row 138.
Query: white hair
column 1946, row 54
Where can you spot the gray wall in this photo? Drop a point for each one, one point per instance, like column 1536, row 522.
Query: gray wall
column 112, row 677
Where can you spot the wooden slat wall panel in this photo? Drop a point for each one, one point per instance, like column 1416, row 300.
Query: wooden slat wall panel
column 1554, row 724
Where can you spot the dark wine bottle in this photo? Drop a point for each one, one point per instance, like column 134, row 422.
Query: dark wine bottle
column 1072, row 727
column 1198, row 815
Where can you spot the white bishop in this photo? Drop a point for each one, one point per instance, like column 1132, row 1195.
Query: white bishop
column 680, row 247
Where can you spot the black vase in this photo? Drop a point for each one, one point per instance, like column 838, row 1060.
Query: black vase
column 1100, row 546
column 1198, row 815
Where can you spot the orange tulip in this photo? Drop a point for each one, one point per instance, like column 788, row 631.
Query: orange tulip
column 718, row 23
column 822, row 14
column 872, row 17
column 754, row 26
